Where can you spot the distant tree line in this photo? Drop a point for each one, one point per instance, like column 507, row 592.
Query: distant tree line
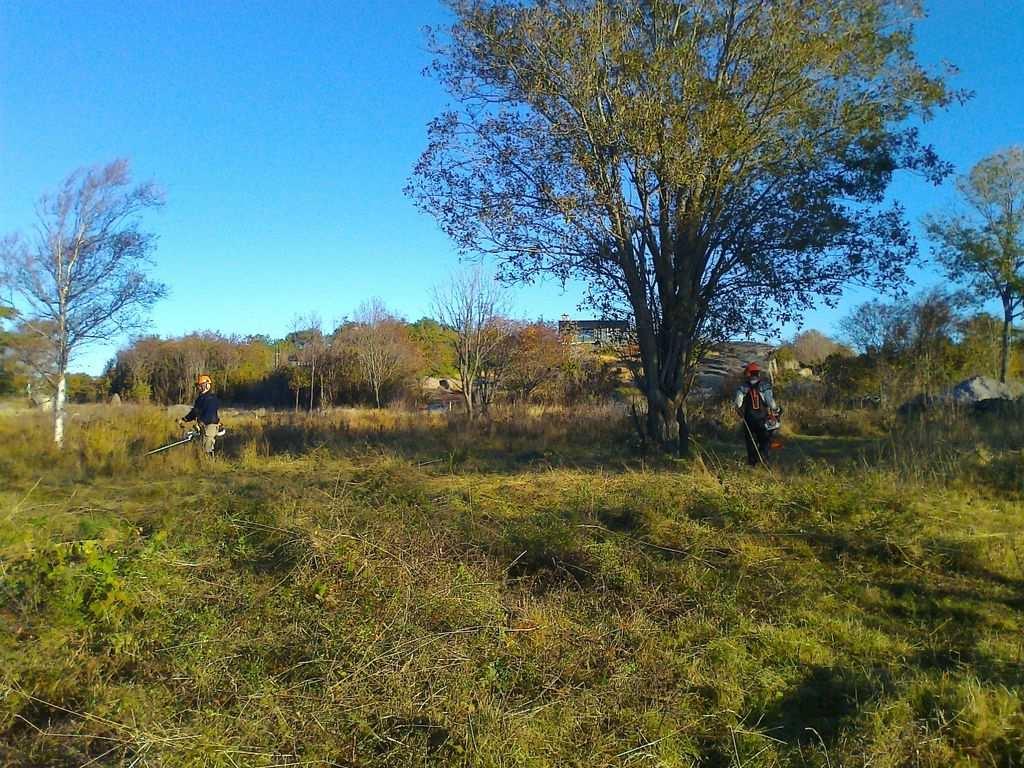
column 898, row 349
column 374, row 359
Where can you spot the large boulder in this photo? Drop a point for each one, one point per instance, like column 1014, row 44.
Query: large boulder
column 979, row 388
column 979, row 393
column 722, row 367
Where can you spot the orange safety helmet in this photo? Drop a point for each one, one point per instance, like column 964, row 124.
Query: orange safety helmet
column 202, row 378
column 751, row 368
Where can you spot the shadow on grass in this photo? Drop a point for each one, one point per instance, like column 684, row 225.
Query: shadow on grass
column 823, row 703
column 450, row 446
column 795, row 453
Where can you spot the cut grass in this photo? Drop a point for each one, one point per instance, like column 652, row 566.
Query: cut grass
column 401, row 591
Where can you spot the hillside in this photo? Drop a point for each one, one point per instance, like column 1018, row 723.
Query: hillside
column 381, row 589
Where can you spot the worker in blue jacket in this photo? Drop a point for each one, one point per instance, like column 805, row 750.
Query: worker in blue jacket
column 205, row 414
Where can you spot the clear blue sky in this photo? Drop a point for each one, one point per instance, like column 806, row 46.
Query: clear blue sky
column 283, row 134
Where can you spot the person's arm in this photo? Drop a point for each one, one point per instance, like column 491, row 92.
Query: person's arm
column 737, row 399
column 769, row 399
column 190, row 416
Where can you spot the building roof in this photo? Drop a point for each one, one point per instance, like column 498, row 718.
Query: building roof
column 594, row 325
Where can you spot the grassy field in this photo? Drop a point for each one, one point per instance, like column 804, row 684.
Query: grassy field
column 362, row 589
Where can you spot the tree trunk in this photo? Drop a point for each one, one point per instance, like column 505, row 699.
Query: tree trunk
column 684, row 430
column 297, row 390
column 1004, row 360
column 376, row 394
column 655, row 425
column 467, row 397
column 58, row 410
column 312, row 385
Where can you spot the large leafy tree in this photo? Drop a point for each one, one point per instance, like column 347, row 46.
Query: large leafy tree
column 710, row 168
column 985, row 246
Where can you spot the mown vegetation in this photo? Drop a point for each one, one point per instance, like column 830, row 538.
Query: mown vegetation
column 377, row 588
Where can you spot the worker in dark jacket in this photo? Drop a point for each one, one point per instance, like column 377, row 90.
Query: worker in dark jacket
column 204, row 413
column 757, row 407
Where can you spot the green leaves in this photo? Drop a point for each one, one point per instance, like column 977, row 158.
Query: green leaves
column 984, row 249
column 711, row 169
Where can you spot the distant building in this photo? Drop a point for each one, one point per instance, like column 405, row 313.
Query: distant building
column 597, row 332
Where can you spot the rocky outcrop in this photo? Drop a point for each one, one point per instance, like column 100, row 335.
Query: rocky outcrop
column 979, row 393
column 725, row 363
column 979, row 388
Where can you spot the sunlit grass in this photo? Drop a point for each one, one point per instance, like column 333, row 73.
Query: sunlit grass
column 382, row 588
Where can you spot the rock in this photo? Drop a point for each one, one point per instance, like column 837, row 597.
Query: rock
column 708, row 380
column 431, row 384
column 719, row 372
column 980, row 393
column 979, row 388
column 115, row 400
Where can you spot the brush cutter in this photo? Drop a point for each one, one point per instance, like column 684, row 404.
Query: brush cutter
column 773, row 424
column 190, row 435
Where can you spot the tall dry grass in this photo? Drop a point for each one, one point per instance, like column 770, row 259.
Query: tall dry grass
column 379, row 589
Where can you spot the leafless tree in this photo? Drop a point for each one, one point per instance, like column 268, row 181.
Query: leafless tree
column 311, row 348
column 498, row 367
column 380, row 348
column 80, row 278
column 473, row 306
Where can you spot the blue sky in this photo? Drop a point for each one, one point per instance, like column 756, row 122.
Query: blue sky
column 284, row 133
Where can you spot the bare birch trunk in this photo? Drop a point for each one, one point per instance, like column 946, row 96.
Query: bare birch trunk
column 1004, row 360
column 312, row 385
column 58, row 410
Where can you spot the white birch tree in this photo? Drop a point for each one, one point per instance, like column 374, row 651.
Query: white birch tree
column 80, row 277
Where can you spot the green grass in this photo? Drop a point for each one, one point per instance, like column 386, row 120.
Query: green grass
column 387, row 590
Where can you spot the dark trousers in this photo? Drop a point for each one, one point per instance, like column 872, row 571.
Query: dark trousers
column 758, row 440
